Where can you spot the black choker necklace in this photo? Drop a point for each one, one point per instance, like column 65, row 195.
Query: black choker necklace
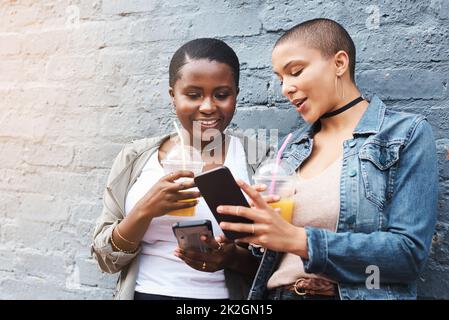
column 342, row 109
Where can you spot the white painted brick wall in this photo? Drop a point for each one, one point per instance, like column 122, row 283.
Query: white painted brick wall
column 79, row 78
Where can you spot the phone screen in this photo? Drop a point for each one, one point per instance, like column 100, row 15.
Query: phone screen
column 188, row 234
column 218, row 187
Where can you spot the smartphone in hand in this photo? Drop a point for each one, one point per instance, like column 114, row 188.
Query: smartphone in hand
column 218, row 187
column 188, row 234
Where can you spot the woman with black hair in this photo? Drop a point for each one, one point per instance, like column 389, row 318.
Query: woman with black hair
column 133, row 235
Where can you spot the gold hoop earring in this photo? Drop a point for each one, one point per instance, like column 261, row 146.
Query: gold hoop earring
column 342, row 94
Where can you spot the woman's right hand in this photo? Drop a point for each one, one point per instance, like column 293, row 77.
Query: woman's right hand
column 268, row 229
column 163, row 197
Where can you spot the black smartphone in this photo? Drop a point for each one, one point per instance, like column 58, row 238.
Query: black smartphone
column 218, row 187
column 188, row 234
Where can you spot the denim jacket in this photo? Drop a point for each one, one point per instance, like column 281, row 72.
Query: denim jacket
column 388, row 208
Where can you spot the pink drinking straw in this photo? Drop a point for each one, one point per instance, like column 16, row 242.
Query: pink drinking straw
column 278, row 161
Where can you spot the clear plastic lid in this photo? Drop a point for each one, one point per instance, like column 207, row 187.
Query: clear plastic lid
column 180, row 153
column 183, row 158
column 270, row 168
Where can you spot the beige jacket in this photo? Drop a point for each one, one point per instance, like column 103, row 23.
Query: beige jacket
column 124, row 172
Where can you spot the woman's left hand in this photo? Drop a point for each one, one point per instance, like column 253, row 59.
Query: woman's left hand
column 220, row 256
column 269, row 229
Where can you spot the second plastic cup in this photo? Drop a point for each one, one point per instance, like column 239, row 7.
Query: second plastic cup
column 283, row 187
column 279, row 177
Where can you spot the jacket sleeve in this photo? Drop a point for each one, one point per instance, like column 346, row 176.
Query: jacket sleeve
column 400, row 251
column 101, row 249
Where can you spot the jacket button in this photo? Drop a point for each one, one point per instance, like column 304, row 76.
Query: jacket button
column 351, row 220
column 352, row 173
column 352, row 143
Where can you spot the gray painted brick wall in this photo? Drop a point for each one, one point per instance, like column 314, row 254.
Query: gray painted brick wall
column 80, row 78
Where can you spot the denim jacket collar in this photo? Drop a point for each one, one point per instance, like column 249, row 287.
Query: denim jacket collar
column 373, row 117
column 370, row 122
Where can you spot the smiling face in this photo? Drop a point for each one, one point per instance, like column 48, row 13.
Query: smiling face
column 205, row 93
column 308, row 78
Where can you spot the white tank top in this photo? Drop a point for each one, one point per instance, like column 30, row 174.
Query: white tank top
column 162, row 273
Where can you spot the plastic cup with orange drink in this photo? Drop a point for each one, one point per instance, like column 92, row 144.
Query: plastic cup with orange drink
column 190, row 161
column 279, row 179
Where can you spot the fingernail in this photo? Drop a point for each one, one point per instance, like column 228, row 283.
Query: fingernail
column 204, row 238
column 277, row 198
column 219, row 209
column 262, row 186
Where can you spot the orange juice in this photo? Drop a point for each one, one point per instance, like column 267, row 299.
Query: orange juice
column 286, row 206
column 186, row 212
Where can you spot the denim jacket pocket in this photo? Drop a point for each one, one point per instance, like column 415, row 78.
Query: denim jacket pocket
column 377, row 160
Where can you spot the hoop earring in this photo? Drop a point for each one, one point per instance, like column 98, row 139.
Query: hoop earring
column 342, row 94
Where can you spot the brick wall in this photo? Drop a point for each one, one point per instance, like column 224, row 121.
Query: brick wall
column 80, row 78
